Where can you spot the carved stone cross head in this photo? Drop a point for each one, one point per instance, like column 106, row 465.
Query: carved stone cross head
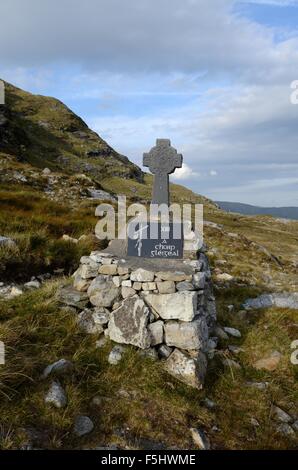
column 162, row 160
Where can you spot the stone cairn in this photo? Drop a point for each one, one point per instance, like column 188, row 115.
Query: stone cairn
column 161, row 305
column 167, row 313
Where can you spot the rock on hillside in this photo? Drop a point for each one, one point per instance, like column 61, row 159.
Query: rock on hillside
column 42, row 131
column 281, row 300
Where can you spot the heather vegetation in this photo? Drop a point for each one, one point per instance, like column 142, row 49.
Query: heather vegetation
column 49, row 218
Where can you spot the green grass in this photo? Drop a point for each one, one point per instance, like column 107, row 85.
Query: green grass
column 40, row 130
column 153, row 406
column 263, row 331
column 36, row 331
column 37, row 224
column 34, row 339
column 143, row 191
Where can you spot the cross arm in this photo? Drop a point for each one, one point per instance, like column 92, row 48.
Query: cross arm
column 177, row 162
column 146, row 159
column 178, row 159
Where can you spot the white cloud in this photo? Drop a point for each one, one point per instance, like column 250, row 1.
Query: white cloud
column 249, row 135
column 214, row 82
column 260, row 184
column 139, row 37
column 184, row 173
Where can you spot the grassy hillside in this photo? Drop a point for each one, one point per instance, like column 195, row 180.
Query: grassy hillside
column 138, row 405
column 37, row 209
column 247, row 209
column 44, row 132
column 134, row 404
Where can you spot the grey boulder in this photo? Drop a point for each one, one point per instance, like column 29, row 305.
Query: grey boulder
column 92, row 320
column 88, row 271
column 187, row 335
column 142, row 275
column 199, row 280
column 115, row 355
column 177, row 306
column 56, row 396
column 31, row 285
column 81, row 284
column 103, row 292
column 232, row 332
column 188, row 370
column 7, row 242
column 184, row 285
column 156, row 332
column 61, row 367
column 200, row 439
column 83, row 425
column 69, row 296
column 281, row 415
column 281, row 300
column 164, row 351
column 128, row 323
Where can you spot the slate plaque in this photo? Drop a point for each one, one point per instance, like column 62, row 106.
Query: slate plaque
column 166, row 244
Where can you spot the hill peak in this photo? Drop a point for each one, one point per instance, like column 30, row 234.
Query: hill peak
column 44, row 132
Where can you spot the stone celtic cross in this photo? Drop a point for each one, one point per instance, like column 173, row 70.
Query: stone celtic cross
column 162, row 160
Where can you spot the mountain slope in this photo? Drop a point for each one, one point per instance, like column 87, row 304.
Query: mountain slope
column 247, row 209
column 133, row 404
column 42, row 131
column 38, row 207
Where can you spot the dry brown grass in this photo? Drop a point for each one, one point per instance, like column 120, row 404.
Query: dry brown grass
column 154, row 408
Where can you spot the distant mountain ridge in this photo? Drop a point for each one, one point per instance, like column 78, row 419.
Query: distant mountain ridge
column 247, row 209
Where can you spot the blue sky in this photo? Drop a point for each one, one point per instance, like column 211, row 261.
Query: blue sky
column 213, row 76
column 273, row 14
